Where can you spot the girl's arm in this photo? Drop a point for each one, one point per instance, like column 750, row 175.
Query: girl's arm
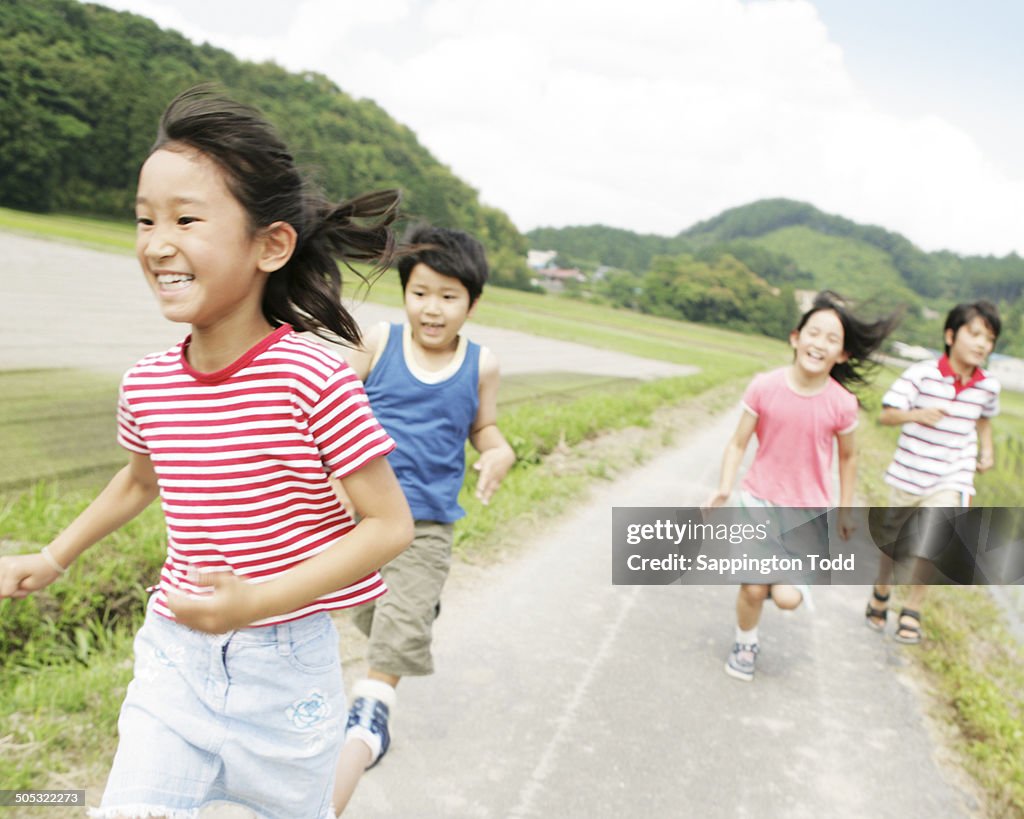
column 732, row 459
column 986, row 447
column 496, row 456
column 847, row 483
column 384, row 530
column 130, row 491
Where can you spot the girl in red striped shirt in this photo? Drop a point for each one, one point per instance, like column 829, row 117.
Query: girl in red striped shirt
column 237, row 693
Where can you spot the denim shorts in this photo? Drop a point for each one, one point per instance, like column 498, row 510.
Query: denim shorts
column 793, row 533
column 252, row 717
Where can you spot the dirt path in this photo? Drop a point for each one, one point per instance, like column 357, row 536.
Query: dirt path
column 558, row 694
column 68, row 306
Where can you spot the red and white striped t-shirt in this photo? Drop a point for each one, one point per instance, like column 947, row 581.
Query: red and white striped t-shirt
column 930, row 459
column 243, row 455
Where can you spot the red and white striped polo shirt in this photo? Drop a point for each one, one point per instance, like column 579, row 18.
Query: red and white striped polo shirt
column 243, row 456
column 929, row 459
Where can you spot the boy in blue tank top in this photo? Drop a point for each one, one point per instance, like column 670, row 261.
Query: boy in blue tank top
column 431, row 389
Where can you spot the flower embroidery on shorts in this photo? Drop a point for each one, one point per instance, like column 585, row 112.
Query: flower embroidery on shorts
column 308, row 712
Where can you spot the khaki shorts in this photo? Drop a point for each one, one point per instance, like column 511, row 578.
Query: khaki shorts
column 400, row 624
column 887, row 524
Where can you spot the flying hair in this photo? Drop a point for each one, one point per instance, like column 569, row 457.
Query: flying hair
column 261, row 174
column 861, row 338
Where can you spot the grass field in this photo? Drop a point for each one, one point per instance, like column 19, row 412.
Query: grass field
column 65, row 653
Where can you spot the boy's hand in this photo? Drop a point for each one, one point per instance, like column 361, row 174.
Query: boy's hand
column 493, row 465
column 231, row 606
column 929, row 416
column 20, row 575
column 986, row 460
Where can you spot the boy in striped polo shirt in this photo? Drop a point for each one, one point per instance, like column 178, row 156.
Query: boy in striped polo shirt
column 945, row 408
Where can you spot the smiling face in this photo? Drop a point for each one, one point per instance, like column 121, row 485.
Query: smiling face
column 819, row 344
column 194, row 242
column 437, row 306
column 970, row 346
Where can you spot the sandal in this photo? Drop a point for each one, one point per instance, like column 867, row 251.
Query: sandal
column 909, row 634
column 874, row 618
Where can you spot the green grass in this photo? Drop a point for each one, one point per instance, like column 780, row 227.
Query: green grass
column 977, row 667
column 57, row 724
column 1003, row 485
column 865, row 270
column 103, row 234
column 57, row 425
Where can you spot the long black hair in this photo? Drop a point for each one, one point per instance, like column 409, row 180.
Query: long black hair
column 861, row 338
column 262, row 175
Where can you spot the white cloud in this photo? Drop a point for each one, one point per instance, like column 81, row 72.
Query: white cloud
column 648, row 115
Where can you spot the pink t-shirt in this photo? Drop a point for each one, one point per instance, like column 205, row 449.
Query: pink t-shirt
column 793, row 463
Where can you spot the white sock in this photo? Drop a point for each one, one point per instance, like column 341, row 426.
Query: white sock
column 746, row 638
column 371, row 690
column 375, row 690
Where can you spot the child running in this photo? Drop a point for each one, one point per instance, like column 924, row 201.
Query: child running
column 798, row 412
column 237, row 694
column 432, row 389
column 945, row 408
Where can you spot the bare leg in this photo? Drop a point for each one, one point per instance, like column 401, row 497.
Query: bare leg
column 390, row 679
column 352, row 762
column 749, row 603
column 786, row 596
column 355, row 756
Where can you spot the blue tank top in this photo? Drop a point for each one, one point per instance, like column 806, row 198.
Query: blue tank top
column 429, row 423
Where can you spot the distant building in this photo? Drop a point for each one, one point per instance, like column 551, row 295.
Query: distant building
column 911, row 352
column 555, row 278
column 1009, row 371
column 539, row 259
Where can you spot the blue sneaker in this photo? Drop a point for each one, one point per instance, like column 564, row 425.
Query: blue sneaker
column 368, row 721
column 742, row 660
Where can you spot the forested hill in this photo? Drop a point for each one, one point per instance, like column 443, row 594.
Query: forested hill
column 801, row 245
column 82, row 88
column 735, row 268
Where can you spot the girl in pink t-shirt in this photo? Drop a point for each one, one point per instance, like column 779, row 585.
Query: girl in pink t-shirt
column 797, row 412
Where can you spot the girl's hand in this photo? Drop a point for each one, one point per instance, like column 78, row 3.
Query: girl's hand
column 493, row 465
column 845, row 523
column 232, row 605
column 716, row 498
column 986, row 460
column 20, row 575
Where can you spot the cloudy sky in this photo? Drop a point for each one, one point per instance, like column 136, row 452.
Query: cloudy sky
column 654, row 114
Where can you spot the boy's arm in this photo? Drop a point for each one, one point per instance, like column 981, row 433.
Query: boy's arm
column 496, row 456
column 130, row 491
column 929, row 416
column 361, row 359
column 986, row 449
